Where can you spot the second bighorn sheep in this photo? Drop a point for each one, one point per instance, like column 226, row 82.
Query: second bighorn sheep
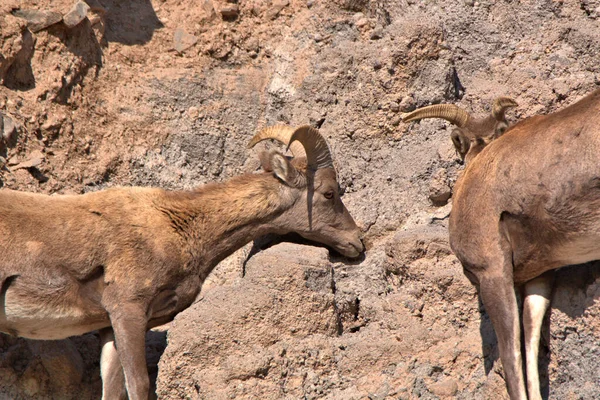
column 125, row 260
column 527, row 204
column 471, row 135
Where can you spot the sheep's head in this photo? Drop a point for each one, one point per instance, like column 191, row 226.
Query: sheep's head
column 471, row 135
column 310, row 185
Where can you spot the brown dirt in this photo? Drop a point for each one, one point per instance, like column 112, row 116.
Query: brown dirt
column 111, row 102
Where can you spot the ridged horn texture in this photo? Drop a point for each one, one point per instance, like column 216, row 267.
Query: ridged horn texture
column 500, row 106
column 449, row 112
column 281, row 133
column 317, row 151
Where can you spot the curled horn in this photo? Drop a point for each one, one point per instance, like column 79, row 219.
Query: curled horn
column 449, row 112
column 317, row 151
column 500, row 106
column 281, row 133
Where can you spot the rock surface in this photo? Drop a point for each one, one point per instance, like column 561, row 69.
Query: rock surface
column 76, row 14
column 108, row 102
column 183, row 40
column 38, row 19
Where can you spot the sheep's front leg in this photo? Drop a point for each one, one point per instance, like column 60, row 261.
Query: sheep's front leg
column 129, row 322
column 113, row 380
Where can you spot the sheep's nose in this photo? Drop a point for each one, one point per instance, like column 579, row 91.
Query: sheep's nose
column 362, row 243
column 358, row 245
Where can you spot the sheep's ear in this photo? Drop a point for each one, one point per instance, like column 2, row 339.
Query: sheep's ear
column 501, row 127
column 461, row 143
column 285, row 171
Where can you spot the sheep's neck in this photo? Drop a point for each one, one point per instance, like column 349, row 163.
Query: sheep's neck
column 224, row 217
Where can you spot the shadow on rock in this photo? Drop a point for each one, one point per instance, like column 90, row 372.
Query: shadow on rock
column 489, row 342
column 156, row 343
column 271, row 240
column 571, row 325
column 576, row 288
column 19, row 75
column 130, row 22
column 82, row 43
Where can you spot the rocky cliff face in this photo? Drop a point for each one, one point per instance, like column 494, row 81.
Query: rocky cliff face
column 166, row 93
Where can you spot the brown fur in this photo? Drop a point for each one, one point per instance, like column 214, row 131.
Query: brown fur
column 527, row 204
column 478, row 133
column 127, row 259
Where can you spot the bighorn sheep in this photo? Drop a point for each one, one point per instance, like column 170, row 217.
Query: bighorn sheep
column 527, row 204
column 124, row 260
column 471, row 135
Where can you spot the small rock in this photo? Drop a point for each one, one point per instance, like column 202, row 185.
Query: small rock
column 377, row 65
column 495, row 62
column 97, row 20
column 442, row 213
column 309, row 3
column 395, row 107
column 193, row 112
column 445, row 388
column 377, row 33
column 252, row 44
column 206, row 12
column 53, row 124
column 407, row 104
column 361, row 22
column 183, row 40
column 96, row 14
column 230, row 11
column 76, row 14
column 35, row 158
column 9, row 129
column 38, row 20
column 396, row 120
column 318, row 37
column 278, row 6
column 439, row 191
column 469, row 3
column 561, row 88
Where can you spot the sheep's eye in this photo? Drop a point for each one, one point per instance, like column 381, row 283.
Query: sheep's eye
column 329, row 195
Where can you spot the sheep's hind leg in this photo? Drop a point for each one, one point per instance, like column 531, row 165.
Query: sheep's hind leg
column 113, row 380
column 498, row 295
column 537, row 300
